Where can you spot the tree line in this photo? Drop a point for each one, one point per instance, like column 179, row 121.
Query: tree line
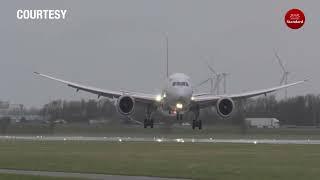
column 298, row 110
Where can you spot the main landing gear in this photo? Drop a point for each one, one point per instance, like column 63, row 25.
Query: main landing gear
column 196, row 123
column 148, row 121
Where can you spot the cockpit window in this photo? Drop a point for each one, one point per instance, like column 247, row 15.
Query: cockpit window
column 180, row 84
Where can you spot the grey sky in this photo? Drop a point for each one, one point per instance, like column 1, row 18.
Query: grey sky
column 120, row 45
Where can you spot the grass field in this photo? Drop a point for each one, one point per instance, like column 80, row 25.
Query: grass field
column 30, row 177
column 187, row 160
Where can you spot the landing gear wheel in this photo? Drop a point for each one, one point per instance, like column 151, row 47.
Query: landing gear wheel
column 196, row 123
column 148, row 121
column 179, row 116
column 145, row 123
column 151, row 123
column 193, row 124
column 200, row 124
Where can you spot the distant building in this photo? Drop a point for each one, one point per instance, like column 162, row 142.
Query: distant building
column 4, row 104
column 262, row 122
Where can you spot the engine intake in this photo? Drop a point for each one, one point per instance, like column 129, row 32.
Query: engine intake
column 225, row 107
column 125, row 105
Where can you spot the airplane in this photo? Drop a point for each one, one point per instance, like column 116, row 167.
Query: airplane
column 176, row 98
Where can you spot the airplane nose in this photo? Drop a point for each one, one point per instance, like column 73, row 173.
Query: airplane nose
column 181, row 95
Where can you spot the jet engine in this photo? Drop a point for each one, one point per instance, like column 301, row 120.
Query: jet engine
column 225, row 107
column 125, row 105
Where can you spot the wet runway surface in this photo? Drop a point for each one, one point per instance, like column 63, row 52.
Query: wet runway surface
column 81, row 175
column 160, row 140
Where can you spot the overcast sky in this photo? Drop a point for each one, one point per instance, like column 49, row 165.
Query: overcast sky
column 120, row 44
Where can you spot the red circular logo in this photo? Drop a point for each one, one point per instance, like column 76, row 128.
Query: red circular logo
column 294, row 18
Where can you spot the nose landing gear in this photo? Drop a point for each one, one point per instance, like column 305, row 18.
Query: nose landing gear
column 179, row 116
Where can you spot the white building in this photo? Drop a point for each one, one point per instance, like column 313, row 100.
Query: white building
column 263, row 122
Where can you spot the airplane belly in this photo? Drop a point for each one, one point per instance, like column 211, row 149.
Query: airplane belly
column 169, row 108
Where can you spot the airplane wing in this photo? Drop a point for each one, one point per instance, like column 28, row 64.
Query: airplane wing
column 139, row 97
column 210, row 100
column 201, row 94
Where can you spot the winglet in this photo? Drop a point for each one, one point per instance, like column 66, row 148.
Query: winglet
column 36, row 72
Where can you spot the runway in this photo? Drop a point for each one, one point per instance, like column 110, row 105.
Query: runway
column 160, row 139
column 80, row 175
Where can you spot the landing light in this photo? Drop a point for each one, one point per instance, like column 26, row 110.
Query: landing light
column 158, row 98
column 192, row 98
column 179, row 106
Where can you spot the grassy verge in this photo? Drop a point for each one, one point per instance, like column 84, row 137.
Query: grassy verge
column 31, row 177
column 188, row 160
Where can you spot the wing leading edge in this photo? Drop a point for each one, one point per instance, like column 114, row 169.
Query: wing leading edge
column 140, row 97
column 209, row 100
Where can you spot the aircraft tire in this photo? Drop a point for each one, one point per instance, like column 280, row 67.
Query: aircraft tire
column 151, row 123
column 193, row 124
column 145, row 123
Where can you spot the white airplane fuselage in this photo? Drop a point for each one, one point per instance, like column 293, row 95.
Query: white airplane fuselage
column 177, row 94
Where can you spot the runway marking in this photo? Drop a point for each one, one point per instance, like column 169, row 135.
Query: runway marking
column 81, row 175
column 161, row 140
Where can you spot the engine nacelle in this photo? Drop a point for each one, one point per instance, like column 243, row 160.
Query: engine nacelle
column 125, row 105
column 225, row 107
